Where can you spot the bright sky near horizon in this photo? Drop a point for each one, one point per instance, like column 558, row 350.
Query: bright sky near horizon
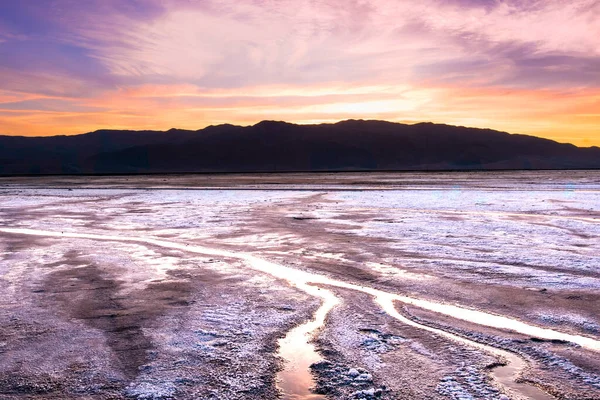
column 522, row 66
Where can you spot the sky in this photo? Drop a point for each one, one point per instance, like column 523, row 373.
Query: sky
column 522, row 66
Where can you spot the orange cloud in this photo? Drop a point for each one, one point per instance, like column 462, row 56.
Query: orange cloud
column 568, row 116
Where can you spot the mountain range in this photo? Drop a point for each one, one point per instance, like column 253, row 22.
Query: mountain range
column 273, row 146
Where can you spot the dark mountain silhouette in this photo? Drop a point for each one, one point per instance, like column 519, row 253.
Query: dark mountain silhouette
column 269, row 146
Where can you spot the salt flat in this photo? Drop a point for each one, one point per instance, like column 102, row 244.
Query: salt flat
column 146, row 287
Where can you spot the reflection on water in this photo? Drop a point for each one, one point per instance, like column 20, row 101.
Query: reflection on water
column 300, row 279
column 295, row 380
column 506, row 375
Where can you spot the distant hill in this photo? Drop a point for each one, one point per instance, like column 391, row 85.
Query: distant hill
column 353, row 145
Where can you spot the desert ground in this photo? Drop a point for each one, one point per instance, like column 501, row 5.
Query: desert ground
column 482, row 285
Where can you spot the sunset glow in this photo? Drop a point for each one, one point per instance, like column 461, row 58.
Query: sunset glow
column 522, row 66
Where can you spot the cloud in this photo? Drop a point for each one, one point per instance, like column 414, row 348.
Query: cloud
column 48, row 105
column 238, row 44
column 157, row 63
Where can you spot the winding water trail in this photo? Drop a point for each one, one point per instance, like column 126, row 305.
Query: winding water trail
column 303, row 279
column 295, row 380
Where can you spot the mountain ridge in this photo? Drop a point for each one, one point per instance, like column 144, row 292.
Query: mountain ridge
column 278, row 146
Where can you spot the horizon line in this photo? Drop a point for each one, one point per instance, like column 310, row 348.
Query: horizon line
column 293, row 123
